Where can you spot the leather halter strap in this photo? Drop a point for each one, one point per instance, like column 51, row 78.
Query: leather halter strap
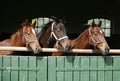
column 28, row 41
column 95, row 42
column 57, row 39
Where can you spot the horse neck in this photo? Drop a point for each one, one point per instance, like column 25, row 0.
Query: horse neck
column 16, row 38
column 46, row 37
column 82, row 41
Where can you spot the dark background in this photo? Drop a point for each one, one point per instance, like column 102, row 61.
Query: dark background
column 13, row 13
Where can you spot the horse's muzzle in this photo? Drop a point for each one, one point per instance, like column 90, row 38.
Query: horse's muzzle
column 106, row 51
column 37, row 50
column 68, row 47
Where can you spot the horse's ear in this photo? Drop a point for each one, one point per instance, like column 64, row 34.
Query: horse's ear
column 26, row 22
column 93, row 23
column 63, row 20
column 56, row 19
column 34, row 23
column 100, row 22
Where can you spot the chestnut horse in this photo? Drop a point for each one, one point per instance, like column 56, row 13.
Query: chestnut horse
column 52, row 33
column 25, row 36
column 93, row 36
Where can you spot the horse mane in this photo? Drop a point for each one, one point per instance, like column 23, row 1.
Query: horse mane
column 45, row 27
column 84, row 28
column 43, row 30
column 16, row 35
column 20, row 27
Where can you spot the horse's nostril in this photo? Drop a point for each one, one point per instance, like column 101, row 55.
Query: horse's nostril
column 37, row 50
column 68, row 47
column 107, row 50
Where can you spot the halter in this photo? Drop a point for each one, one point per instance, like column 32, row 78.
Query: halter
column 29, row 41
column 57, row 39
column 95, row 42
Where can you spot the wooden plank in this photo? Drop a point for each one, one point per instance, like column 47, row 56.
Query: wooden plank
column 51, row 68
column 42, row 69
column 32, row 65
column 101, row 65
column 14, row 64
column 108, row 64
column 1, row 74
column 68, row 64
column 6, row 72
column 76, row 65
column 116, row 64
column 60, row 64
column 85, row 64
column 93, row 64
column 87, row 51
column 23, row 63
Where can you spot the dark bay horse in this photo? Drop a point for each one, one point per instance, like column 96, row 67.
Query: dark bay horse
column 93, row 36
column 52, row 33
column 24, row 36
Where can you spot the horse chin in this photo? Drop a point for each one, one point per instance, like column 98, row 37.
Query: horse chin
column 36, row 52
column 103, row 48
column 104, row 51
column 65, row 47
column 36, row 49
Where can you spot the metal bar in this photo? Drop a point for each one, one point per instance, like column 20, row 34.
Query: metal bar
column 7, row 48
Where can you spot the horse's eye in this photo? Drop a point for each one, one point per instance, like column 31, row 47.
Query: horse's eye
column 96, row 34
column 28, row 34
column 58, row 30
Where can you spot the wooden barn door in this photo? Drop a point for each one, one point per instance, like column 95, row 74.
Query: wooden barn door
column 23, row 68
column 84, row 68
column 61, row 68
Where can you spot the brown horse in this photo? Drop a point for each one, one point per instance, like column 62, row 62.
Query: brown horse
column 52, row 33
column 25, row 36
column 93, row 36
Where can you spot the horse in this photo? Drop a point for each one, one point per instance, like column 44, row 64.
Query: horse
column 92, row 37
column 24, row 36
column 54, row 32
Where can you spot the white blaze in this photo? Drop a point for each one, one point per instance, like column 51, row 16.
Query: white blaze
column 101, row 31
column 33, row 31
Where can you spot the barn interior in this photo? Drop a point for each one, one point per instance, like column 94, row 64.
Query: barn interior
column 13, row 13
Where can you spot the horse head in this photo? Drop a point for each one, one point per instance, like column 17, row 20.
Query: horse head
column 58, row 32
column 97, row 38
column 30, row 36
column 54, row 33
